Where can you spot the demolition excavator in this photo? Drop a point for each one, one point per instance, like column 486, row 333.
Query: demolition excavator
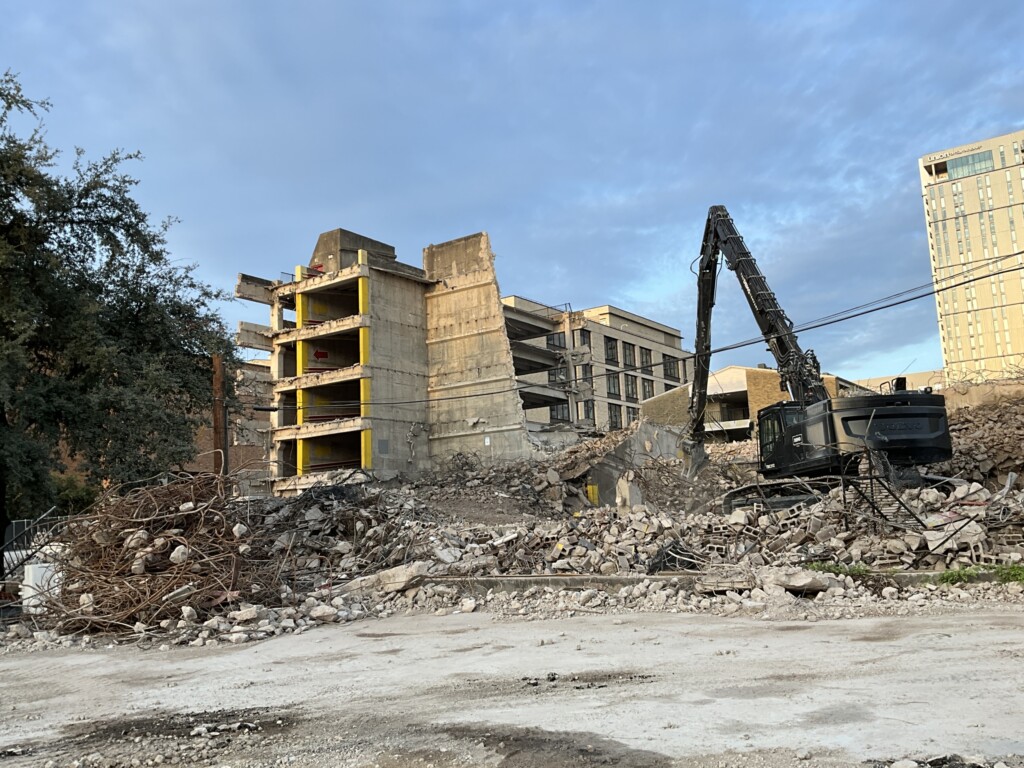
column 812, row 434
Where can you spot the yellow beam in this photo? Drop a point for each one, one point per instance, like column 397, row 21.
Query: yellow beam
column 364, row 295
column 301, row 448
column 367, row 448
column 364, row 346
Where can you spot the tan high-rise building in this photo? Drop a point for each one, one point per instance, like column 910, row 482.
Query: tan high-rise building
column 974, row 206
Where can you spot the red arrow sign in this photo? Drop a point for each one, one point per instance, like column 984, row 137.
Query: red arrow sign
column 320, row 354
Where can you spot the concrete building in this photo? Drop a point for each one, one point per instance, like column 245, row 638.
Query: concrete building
column 916, row 380
column 382, row 365
column 735, row 395
column 973, row 198
column 604, row 360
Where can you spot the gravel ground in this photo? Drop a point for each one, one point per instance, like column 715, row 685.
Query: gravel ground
column 634, row 689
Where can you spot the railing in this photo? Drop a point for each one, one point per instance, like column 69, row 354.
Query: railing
column 22, row 545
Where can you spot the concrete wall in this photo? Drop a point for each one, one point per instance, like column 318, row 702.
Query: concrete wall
column 760, row 384
column 474, row 407
column 397, row 370
column 988, row 393
column 337, row 249
column 671, row 408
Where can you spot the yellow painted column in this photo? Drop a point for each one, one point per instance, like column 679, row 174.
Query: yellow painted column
column 366, row 438
column 301, row 449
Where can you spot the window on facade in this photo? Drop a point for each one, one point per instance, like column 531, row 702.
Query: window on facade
column 556, row 340
column 647, row 388
column 615, row 417
column 645, row 361
column 585, row 410
column 669, row 387
column 628, row 355
column 611, row 350
column 613, row 386
column 632, row 414
column 979, row 162
column 670, row 367
column 583, row 337
column 558, row 375
column 586, row 373
column 559, row 412
column 631, row 394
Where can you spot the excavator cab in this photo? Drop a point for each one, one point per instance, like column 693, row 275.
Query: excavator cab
column 782, row 441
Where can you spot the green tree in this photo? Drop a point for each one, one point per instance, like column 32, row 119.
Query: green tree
column 105, row 343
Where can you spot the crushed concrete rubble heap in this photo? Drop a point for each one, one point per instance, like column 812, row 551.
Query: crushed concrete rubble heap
column 987, row 443
column 186, row 561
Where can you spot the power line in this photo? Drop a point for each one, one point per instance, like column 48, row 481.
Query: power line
column 893, row 300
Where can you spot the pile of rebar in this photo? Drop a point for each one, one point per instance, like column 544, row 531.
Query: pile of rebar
column 139, row 555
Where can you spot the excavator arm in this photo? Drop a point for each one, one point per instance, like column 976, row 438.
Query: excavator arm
column 798, row 370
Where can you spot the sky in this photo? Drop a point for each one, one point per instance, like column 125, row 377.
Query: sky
column 587, row 138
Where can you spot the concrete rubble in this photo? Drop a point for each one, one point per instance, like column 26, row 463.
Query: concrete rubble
column 193, row 566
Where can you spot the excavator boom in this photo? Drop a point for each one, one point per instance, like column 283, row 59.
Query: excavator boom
column 806, row 435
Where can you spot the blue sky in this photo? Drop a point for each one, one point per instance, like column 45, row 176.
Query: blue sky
column 587, row 138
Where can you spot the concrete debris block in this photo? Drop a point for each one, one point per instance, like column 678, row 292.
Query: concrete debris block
column 180, row 555
column 240, row 530
column 324, row 613
column 249, row 613
column 797, row 580
column 467, row 605
column 403, row 576
column 890, row 593
column 904, row 764
column 188, row 613
column 136, row 539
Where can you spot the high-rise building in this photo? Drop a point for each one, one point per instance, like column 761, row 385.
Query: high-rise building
column 974, row 205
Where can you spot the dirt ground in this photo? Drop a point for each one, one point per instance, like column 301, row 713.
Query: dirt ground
column 462, row 690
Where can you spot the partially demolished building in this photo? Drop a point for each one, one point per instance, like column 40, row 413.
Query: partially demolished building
column 381, row 365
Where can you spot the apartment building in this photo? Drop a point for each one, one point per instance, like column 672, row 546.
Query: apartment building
column 735, row 395
column 973, row 199
column 385, row 366
column 606, row 361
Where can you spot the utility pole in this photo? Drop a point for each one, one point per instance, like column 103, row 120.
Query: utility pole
column 220, row 418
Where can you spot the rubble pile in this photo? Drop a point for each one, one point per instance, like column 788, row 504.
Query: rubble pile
column 921, row 529
column 138, row 556
column 987, row 443
column 186, row 562
column 523, row 487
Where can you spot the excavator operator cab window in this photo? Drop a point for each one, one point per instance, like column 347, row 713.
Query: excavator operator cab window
column 769, row 432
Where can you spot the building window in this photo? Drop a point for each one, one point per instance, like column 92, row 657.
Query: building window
column 558, row 375
column 586, row 410
column 670, row 367
column 631, row 395
column 632, row 414
column 615, row 417
column 669, row 387
column 586, row 373
column 645, row 361
column 611, row 350
column 628, row 355
column 556, row 340
column 560, row 412
column 647, row 388
column 979, row 162
column 583, row 337
column 613, row 386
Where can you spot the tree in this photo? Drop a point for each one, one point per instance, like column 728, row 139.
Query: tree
column 105, row 344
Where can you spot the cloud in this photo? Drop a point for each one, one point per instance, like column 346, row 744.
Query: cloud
column 588, row 139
